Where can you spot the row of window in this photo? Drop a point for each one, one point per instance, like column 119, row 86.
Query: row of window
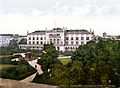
column 29, row 47
column 72, row 43
column 76, row 43
column 77, row 38
column 37, row 38
column 36, row 42
column 70, row 48
column 67, row 38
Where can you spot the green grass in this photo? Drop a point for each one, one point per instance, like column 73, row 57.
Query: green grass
column 5, row 56
column 5, row 66
column 64, row 59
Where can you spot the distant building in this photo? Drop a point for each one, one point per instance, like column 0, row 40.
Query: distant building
column 105, row 36
column 21, row 37
column 6, row 38
column 63, row 39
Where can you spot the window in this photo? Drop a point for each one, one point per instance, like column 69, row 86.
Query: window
column 57, row 41
column 33, row 42
column 65, row 48
column 71, row 43
column 87, row 38
column 54, row 41
column 33, row 38
column 41, row 38
column 37, row 38
column 44, row 38
column 51, row 40
column 37, row 42
column 67, row 43
column 82, row 38
column 76, row 43
column 61, row 43
column 41, row 42
column 29, row 42
column 77, row 38
column 29, row 38
column 71, row 38
column 82, row 43
column 67, row 38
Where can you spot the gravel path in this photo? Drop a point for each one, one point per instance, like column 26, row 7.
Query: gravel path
column 7, row 83
column 29, row 79
column 37, row 67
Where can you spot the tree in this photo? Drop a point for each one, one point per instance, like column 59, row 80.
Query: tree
column 99, row 59
column 48, row 58
column 23, row 41
column 11, row 48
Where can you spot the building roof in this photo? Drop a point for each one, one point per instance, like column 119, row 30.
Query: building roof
column 78, row 31
column 6, row 35
column 37, row 32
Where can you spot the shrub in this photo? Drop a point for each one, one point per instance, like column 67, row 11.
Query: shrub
column 21, row 71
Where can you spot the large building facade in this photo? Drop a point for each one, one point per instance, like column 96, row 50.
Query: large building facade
column 63, row 39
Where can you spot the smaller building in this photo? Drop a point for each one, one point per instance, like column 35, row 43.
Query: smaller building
column 105, row 36
column 5, row 39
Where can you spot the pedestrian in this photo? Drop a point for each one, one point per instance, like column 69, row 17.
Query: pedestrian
column 35, row 66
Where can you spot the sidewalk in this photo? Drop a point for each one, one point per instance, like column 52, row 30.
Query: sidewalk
column 37, row 67
column 8, row 83
column 29, row 79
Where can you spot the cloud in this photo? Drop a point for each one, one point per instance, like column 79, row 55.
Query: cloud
column 21, row 15
column 80, row 7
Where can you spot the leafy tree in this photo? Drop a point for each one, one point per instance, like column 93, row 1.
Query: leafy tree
column 48, row 58
column 23, row 41
column 97, row 63
column 99, row 59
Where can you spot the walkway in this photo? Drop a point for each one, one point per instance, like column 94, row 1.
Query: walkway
column 37, row 67
column 8, row 83
column 29, row 79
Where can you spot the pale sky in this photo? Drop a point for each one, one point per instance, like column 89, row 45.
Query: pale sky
column 18, row 16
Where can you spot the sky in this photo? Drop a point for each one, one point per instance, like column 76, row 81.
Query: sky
column 20, row 16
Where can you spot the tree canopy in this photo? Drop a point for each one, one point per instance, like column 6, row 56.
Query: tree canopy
column 96, row 63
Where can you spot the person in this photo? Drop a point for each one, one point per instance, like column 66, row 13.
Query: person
column 35, row 66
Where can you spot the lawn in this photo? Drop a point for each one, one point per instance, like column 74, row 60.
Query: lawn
column 64, row 59
column 6, row 65
column 5, row 56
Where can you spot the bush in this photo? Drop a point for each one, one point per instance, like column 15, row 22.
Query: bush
column 67, row 53
column 21, row 71
column 7, row 60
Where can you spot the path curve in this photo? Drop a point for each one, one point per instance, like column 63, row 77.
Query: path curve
column 37, row 67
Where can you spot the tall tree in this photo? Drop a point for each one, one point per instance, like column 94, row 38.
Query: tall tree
column 48, row 58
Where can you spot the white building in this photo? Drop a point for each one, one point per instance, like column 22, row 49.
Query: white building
column 63, row 39
column 5, row 39
column 106, row 36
